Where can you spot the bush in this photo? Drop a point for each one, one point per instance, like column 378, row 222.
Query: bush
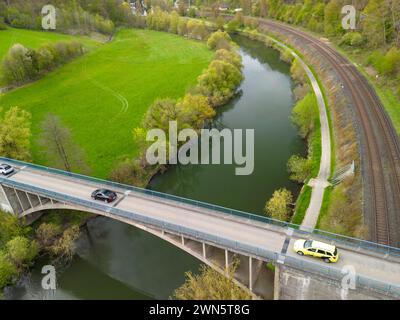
column 305, row 114
column 21, row 65
column 233, row 26
column 3, row 26
column 230, row 57
column 388, row 64
column 219, row 82
column 278, row 207
column 354, row 39
column 219, row 40
column 8, row 270
column 22, row 251
column 299, row 168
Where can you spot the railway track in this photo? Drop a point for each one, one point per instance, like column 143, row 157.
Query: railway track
column 381, row 160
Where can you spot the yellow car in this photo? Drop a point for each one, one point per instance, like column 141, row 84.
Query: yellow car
column 317, row 249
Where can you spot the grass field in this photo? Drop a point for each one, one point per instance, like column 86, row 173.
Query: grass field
column 104, row 94
column 34, row 39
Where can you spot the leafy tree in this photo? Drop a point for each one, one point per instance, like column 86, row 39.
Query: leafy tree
column 219, row 82
column 210, row 285
column 46, row 233
column 22, row 251
column 278, row 207
column 174, row 22
column 374, row 24
column 15, row 134
column 18, row 65
column 10, row 227
column 193, row 111
column 299, row 168
column 230, row 57
column 64, row 247
column 304, row 115
column 219, row 40
column 332, row 23
column 8, row 270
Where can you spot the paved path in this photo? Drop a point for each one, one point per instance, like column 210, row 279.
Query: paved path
column 319, row 183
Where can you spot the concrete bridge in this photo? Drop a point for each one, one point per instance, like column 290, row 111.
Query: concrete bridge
column 215, row 235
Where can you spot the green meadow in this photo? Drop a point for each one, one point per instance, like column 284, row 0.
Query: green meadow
column 102, row 95
column 34, row 39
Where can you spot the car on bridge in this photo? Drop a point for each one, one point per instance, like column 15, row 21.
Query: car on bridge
column 6, row 169
column 104, row 195
column 317, row 249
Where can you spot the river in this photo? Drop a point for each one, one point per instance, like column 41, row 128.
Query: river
column 117, row 261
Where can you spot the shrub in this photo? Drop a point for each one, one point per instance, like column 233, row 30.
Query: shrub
column 21, row 64
column 230, row 57
column 354, row 39
column 8, row 270
column 182, row 27
column 278, row 207
column 219, row 40
column 219, row 82
column 18, row 66
column 304, row 115
column 299, row 168
column 22, row 251
column 3, row 26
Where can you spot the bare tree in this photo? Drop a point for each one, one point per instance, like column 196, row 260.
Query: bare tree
column 59, row 148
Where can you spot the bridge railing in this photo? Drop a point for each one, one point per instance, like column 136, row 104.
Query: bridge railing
column 266, row 255
column 302, row 231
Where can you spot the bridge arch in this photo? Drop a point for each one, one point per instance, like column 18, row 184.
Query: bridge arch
column 210, row 254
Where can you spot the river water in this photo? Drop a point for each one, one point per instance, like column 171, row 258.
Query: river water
column 117, row 261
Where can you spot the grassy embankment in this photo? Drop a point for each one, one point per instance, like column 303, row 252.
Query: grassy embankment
column 101, row 96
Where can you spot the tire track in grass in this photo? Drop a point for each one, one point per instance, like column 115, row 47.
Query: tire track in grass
column 124, row 102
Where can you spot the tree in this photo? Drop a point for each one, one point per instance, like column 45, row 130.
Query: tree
column 22, row 251
column 304, row 115
column 332, row 22
column 59, row 148
column 299, row 168
column 230, row 57
column 46, row 234
column 18, row 65
column 219, row 82
column 10, row 227
column 8, row 270
column 219, row 40
column 210, row 285
column 64, row 247
column 374, row 23
column 278, row 207
column 15, row 134
column 193, row 111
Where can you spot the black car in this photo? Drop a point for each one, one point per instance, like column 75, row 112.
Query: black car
column 104, row 195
